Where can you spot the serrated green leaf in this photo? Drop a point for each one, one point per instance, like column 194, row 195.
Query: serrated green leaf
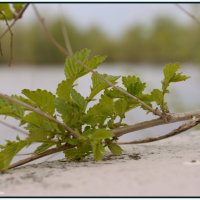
column 157, row 96
column 40, row 128
column 72, row 141
column 73, row 69
column 98, row 84
column 133, row 85
column 101, row 134
column 78, row 153
column 64, row 89
column 115, row 149
column 106, row 105
column 74, row 65
column 171, row 75
column 12, row 110
column 121, row 106
column 114, row 93
column 45, row 100
column 180, row 77
column 98, row 149
column 78, row 100
column 61, row 106
column 9, row 151
column 100, row 112
column 169, row 72
column 70, row 114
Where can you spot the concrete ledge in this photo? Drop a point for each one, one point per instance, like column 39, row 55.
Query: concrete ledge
column 168, row 167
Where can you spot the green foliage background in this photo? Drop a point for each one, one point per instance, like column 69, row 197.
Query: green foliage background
column 162, row 42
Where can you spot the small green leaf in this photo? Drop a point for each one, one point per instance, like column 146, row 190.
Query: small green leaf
column 101, row 134
column 12, row 110
column 157, row 96
column 45, row 100
column 73, row 69
column 40, row 128
column 97, row 149
column 72, row 141
column 121, row 106
column 79, row 152
column 64, row 89
column 100, row 112
column 61, row 106
column 115, row 149
column 98, row 83
column 78, row 100
column 171, row 75
column 74, row 65
column 9, row 151
column 69, row 113
column 114, row 93
column 133, row 85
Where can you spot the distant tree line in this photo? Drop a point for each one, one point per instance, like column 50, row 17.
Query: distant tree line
column 163, row 42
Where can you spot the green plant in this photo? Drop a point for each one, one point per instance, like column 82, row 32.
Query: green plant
column 67, row 122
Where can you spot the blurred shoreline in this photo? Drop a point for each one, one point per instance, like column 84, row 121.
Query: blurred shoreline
column 164, row 41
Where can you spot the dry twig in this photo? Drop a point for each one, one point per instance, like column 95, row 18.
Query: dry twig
column 11, row 38
column 49, row 35
column 13, row 127
column 19, row 15
column 188, row 125
column 41, row 155
column 188, row 13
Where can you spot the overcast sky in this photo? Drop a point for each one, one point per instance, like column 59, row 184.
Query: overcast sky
column 113, row 18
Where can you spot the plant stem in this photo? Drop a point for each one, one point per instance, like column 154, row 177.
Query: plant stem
column 188, row 13
column 19, row 15
column 176, row 131
column 11, row 38
column 37, row 156
column 172, row 118
column 13, row 127
column 49, row 35
column 39, row 112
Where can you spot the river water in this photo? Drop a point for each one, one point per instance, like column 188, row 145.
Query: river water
column 184, row 96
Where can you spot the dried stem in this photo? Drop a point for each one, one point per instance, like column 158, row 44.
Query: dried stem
column 38, row 111
column 188, row 125
column 13, row 127
column 65, row 34
column 172, row 118
column 19, row 15
column 11, row 38
column 37, row 156
column 188, row 13
column 1, row 51
column 49, row 35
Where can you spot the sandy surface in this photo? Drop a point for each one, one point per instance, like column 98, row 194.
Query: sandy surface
column 168, row 167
